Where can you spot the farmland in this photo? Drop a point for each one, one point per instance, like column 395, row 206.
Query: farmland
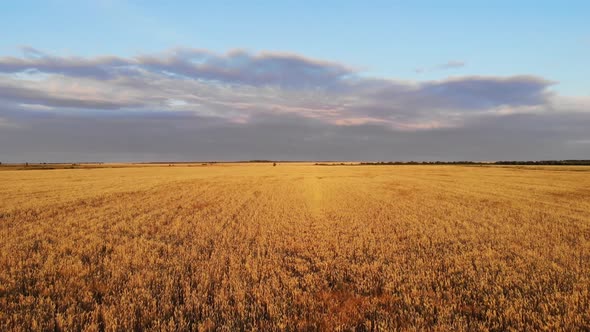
column 295, row 247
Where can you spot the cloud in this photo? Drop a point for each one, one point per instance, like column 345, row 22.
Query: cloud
column 234, row 67
column 35, row 61
column 452, row 64
column 240, row 86
column 72, row 97
column 195, row 104
column 477, row 92
column 180, row 136
column 7, row 124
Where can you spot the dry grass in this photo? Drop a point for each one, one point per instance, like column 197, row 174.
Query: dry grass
column 295, row 247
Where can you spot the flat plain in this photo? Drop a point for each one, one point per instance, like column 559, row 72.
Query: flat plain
column 295, row 247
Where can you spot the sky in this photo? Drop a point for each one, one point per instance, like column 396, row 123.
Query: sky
column 117, row 80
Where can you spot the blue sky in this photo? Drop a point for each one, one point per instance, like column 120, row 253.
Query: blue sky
column 438, row 49
column 386, row 38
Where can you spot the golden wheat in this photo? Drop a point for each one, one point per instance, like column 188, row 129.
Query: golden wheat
column 295, row 247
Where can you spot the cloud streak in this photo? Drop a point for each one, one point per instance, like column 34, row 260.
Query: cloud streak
column 452, row 64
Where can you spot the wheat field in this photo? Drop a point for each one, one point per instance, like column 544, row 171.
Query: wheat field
column 237, row 247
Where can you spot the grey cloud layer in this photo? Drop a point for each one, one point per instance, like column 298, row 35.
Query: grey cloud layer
column 195, row 104
column 235, row 67
column 177, row 137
